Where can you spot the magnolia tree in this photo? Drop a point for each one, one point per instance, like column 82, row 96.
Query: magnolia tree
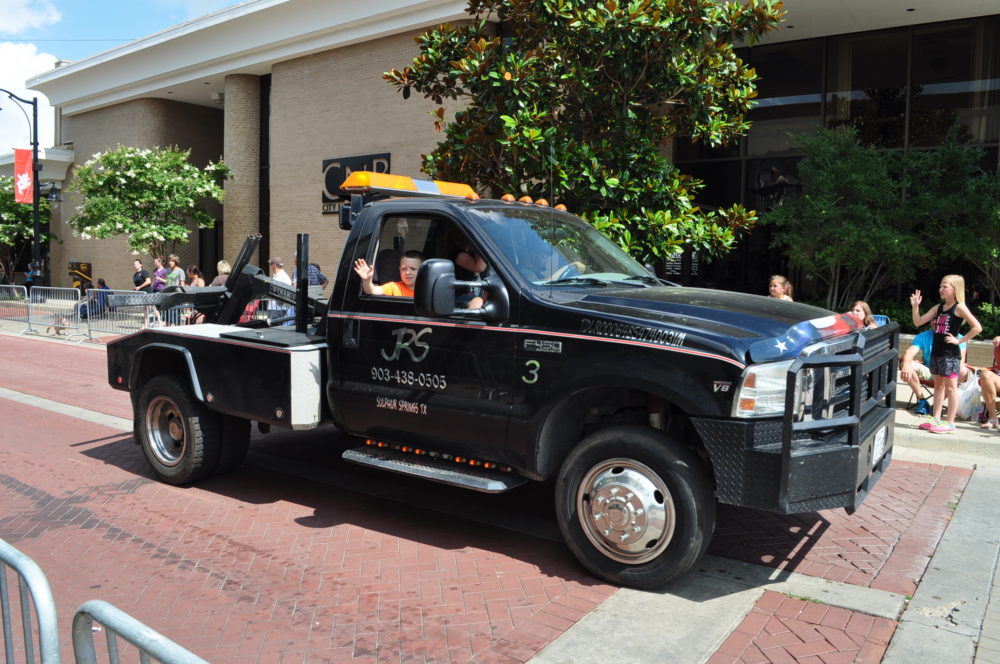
column 17, row 225
column 153, row 196
column 574, row 100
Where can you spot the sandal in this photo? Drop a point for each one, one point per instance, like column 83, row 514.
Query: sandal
column 989, row 424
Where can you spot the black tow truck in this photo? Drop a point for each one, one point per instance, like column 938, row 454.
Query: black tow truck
column 647, row 403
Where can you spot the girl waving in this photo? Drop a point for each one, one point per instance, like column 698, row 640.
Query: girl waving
column 946, row 356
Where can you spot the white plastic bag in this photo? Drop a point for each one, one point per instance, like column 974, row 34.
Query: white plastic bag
column 968, row 397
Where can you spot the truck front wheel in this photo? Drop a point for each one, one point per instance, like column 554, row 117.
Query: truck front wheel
column 178, row 435
column 635, row 507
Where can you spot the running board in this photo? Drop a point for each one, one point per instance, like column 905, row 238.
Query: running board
column 445, row 472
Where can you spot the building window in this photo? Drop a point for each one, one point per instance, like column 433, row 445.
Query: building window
column 789, row 95
column 723, row 183
column 770, row 181
column 955, row 83
column 866, row 86
column 903, row 88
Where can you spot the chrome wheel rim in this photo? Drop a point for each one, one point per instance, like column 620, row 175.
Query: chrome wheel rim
column 165, row 431
column 626, row 511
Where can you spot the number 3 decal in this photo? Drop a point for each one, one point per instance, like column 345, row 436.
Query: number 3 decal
column 533, row 366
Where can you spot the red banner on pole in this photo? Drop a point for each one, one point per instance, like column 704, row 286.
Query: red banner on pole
column 24, row 187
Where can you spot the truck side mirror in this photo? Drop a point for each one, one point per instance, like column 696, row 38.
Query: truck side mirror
column 434, row 293
column 348, row 213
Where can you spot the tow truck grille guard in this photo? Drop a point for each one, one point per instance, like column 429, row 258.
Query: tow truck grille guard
column 841, row 396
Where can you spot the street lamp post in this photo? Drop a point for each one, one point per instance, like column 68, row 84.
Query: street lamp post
column 35, row 268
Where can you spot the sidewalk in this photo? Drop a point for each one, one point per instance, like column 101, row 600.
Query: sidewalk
column 957, row 606
column 68, row 336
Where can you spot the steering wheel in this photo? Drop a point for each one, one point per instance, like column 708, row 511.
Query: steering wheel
column 576, row 266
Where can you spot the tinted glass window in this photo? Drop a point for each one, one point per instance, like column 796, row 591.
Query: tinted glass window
column 867, row 86
column 686, row 149
column 723, row 183
column 788, row 94
column 955, row 84
column 770, row 181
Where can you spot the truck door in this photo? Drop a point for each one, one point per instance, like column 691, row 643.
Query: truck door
column 441, row 383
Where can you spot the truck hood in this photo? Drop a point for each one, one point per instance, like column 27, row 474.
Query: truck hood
column 746, row 327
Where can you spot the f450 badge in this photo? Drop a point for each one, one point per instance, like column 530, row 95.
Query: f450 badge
column 543, row 345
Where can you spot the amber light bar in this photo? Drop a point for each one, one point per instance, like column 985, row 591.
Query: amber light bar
column 386, row 183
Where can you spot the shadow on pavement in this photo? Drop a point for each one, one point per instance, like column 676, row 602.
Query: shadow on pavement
column 305, row 468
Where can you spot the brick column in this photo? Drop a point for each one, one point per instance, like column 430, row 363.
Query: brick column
column 241, row 152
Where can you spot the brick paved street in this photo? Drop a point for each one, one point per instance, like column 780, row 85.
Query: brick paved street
column 266, row 566
column 785, row 629
column 886, row 544
column 261, row 567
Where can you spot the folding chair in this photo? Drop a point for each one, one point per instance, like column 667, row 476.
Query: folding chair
column 926, row 389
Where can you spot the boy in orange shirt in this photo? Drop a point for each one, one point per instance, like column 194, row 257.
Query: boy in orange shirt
column 409, row 264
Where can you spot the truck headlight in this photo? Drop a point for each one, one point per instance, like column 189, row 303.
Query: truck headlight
column 762, row 390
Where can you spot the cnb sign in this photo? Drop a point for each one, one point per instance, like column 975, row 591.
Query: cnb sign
column 335, row 171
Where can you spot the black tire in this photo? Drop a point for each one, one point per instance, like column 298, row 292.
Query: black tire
column 178, row 434
column 235, row 443
column 661, row 509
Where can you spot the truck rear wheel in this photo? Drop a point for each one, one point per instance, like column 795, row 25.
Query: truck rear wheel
column 178, row 435
column 635, row 507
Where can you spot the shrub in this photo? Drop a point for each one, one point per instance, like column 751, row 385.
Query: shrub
column 989, row 317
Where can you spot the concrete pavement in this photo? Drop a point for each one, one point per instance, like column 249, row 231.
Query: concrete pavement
column 907, row 596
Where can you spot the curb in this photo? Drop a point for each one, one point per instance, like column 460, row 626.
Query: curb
column 943, row 620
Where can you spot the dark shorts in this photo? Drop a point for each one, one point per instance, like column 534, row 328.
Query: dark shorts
column 946, row 366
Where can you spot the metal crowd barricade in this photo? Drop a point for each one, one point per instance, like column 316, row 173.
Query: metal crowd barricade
column 117, row 623
column 33, row 588
column 180, row 315
column 14, row 303
column 55, row 308
column 118, row 311
column 125, row 312
column 42, row 626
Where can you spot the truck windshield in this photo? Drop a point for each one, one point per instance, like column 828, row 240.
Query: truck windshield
column 549, row 247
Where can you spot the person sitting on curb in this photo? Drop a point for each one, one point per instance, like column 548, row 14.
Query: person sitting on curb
column 989, row 385
column 912, row 370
